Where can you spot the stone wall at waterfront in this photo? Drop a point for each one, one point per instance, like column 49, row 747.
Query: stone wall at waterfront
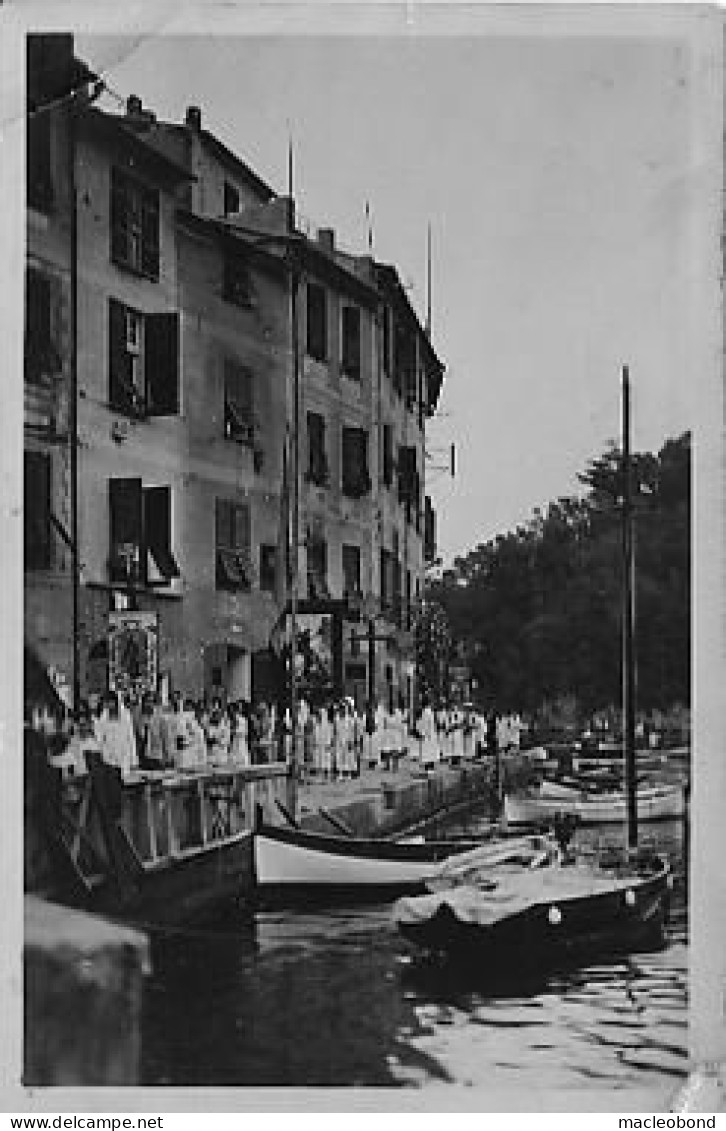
column 83, row 980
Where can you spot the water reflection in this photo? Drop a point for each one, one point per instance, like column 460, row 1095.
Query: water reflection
column 338, row 998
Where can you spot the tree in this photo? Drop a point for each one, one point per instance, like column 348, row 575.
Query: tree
column 539, row 608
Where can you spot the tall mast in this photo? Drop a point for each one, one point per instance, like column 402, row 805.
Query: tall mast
column 628, row 624
column 428, row 281
column 294, row 283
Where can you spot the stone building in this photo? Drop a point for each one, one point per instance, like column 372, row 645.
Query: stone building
column 179, row 263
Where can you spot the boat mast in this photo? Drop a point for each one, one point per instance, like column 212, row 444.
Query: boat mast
column 628, row 623
column 294, row 284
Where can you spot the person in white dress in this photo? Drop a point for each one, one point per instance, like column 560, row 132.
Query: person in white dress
column 194, row 752
column 115, row 738
column 239, row 750
column 218, row 733
column 456, row 724
column 430, row 751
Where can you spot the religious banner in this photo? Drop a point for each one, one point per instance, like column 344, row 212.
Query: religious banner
column 133, row 652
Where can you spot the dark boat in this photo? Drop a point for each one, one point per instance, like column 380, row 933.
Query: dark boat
column 534, row 906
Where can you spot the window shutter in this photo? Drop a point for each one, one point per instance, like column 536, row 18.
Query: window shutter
column 157, row 530
column 150, row 232
column 351, row 341
column 317, row 329
column 241, row 528
column 161, row 363
column 36, row 510
column 223, row 525
column 125, row 504
column 119, row 218
column 39, row 183
column 38, row 360
column 119, row 363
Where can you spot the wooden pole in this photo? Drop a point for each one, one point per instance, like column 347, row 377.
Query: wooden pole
column 628, row 626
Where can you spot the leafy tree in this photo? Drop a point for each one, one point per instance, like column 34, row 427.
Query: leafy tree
column 539, row 609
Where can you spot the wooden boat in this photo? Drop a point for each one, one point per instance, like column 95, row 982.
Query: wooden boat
column 293, row 866
column 551, row 799
column 161, row 848
column 531, row 906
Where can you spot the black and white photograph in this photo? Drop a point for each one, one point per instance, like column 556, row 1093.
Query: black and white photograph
column 372, row 556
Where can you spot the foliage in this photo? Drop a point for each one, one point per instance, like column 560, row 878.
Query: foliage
column 539, row 609
column 433, row 651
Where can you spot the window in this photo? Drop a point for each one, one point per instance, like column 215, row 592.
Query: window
column 41, row 357
column 232, row 545
column 407, row 607
column 317, row 322
column 387, row 340
column 317, row 471
column 397, row 590
column 140, row 533
column 239, row 414
column 36, row 510
column 351, row 571
column 231, row 199
column 143, row 362
column 387, row 580
column 429, row 531
column 407, row 475
column 39, row 182
column 268, row 568
column 236, row 279
column 404, row 369
column 134, row 225
column 356, row 479
column 317, row 557
column 387, row 455
column 351, row 342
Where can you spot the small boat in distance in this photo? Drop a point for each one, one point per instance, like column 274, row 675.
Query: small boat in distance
column 542, row 804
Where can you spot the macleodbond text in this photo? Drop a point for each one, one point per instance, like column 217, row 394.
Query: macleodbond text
column 669, row 1121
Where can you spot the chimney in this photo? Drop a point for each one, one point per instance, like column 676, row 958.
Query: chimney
column 326, row 239
column 193, row 118
column 134, row 106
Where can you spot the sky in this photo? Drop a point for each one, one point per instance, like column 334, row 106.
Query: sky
column 556, row 175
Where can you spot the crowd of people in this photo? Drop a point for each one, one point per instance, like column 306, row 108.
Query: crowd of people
column 331, row 742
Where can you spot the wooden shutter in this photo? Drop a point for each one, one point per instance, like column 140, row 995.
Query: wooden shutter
column 119, row 362
column 223, row 525
column 351, row 341
column 157, row 530
column 39, row 183
column 317, row 329
column 120, row 205
column 37, row 326
column 161, row 363
column 150, row 232
column 126, row 513
column 241, row 528
column 36, row 510
column 387, row 454
column 351, row 569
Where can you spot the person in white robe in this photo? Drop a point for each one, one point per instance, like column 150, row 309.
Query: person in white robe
column 430, row 749
column 239, row 749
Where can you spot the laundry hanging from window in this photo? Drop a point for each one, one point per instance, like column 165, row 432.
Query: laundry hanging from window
column 234, row 569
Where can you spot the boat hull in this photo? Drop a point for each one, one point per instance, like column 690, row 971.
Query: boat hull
column 533, row 809
column 549, row 932
column 295, row 866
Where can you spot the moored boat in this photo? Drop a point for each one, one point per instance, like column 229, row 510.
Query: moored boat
column 292, row 865
column 544, row 803
column 532, row 908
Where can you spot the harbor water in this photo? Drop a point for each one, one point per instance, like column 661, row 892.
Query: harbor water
column 337, row 998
